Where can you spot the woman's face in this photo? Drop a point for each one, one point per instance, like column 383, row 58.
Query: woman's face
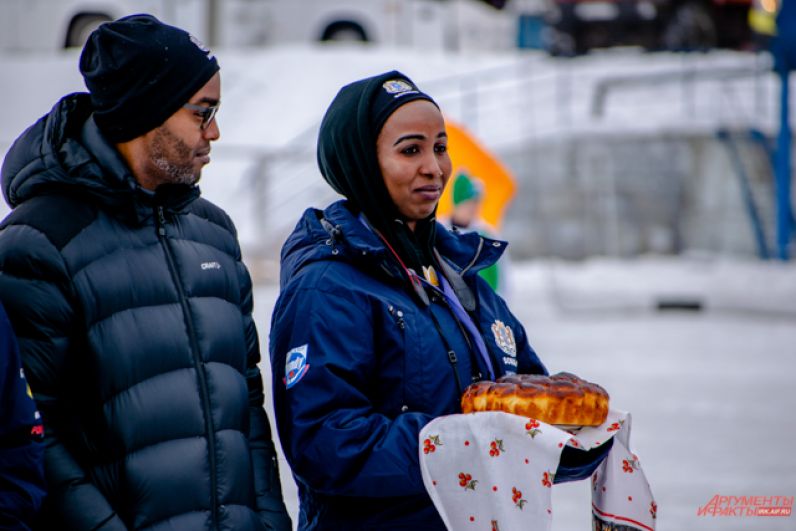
column 413, row 156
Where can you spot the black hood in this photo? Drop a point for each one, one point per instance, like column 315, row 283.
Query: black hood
column 348, row 162
column 64, row 152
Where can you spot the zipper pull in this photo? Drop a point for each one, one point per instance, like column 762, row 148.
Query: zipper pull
column 452, row 357
column 161, row 222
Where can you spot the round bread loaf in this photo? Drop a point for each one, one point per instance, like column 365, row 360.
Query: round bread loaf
column 562, row 399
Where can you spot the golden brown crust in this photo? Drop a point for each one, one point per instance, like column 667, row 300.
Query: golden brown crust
column 562, row 399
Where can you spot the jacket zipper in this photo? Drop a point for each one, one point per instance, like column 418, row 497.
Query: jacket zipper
column 197, row 360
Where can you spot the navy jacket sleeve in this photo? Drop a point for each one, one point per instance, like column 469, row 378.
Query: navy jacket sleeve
column 22, row 486
column 576, row 464
column 333, row 437
column 33, row 288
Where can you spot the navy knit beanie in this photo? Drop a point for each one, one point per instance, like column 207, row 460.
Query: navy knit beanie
column 139, row 71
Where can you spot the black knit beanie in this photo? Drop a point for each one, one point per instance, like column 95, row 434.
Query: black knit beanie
column 139, row 71
column 348, row 161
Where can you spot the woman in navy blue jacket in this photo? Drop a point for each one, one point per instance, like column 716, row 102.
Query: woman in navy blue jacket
column 382, row 319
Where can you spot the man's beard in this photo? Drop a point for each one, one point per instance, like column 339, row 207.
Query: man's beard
column 173, row 159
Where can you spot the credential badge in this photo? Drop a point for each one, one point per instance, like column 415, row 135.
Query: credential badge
column 504, row 338
column 296, row 366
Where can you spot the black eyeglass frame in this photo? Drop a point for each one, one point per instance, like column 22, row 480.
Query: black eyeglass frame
column 208, row 113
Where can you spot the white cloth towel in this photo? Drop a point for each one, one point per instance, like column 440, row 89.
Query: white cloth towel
column 494, row 471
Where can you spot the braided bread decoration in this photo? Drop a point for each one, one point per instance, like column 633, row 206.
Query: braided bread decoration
column 562, row 399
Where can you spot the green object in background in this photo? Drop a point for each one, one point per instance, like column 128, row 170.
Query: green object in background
column 464, row 189
column 492, row 276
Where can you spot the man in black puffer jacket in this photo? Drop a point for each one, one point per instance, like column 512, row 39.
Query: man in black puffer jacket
column 130, row 301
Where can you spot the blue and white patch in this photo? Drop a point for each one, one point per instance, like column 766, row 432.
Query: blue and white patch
column 398, row 88
column 296, row 366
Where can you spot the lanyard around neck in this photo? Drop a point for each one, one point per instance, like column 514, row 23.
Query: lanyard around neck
column 447, row 293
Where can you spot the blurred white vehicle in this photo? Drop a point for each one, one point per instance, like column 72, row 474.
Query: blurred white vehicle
column 45, row 25
column 448, row 24
column 30, row 25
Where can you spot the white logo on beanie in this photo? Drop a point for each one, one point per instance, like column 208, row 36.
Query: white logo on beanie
column 199, row 44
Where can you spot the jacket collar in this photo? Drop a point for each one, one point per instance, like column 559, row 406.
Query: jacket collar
column 336, row 233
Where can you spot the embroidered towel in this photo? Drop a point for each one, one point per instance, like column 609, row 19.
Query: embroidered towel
column 494, row 471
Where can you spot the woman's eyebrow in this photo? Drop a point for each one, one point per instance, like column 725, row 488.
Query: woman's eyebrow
column 417, row 136
column 412, row 136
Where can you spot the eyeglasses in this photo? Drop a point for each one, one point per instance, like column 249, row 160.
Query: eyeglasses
column 207, row 112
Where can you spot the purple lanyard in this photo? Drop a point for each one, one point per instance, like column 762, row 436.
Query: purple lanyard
column 450, row 296
column 463, row 317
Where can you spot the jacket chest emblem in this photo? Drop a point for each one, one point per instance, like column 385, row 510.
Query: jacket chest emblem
column 504, row 338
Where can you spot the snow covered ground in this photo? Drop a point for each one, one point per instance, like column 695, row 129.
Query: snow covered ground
column 711, row 392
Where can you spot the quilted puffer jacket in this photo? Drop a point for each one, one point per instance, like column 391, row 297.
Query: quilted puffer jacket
column 133, row 313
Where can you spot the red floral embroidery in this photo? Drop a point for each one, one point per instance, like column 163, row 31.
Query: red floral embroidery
column 547, row 479
column 467, row 481
column 574, row 443
column 614, row 427
column 532, row 428
column 430, row 444
column 495, row 525
column 654, row 510
column 495, row 447
column 629, row 465
column 516, row 497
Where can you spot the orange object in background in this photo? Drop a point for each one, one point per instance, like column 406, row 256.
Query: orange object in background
column 471, row 158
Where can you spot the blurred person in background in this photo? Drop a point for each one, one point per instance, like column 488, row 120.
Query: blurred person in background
column 467, row 197
column 22, row 486
column 382, row 320
column 130, row 300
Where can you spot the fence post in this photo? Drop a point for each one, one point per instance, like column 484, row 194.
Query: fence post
column 783, row 168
